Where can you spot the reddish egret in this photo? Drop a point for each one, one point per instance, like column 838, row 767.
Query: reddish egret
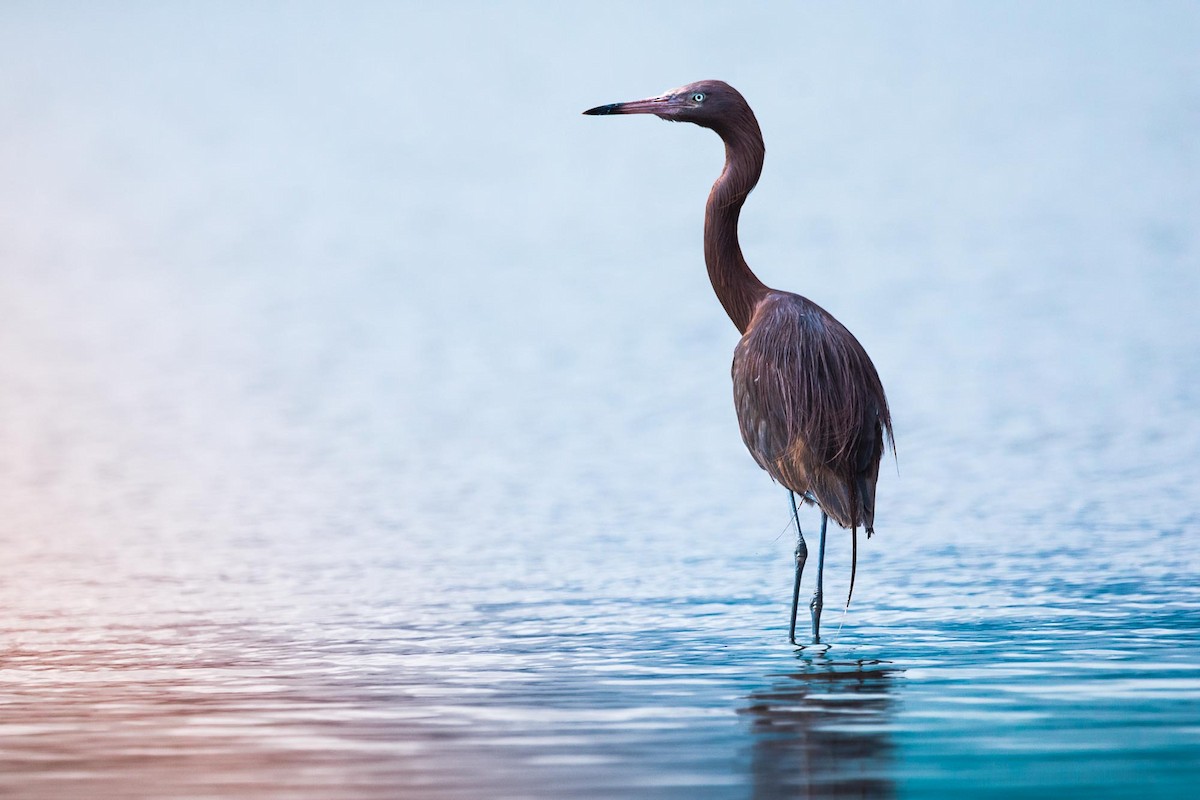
column 809, row 402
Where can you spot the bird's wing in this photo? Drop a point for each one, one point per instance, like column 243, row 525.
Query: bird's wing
column 765, row 384
column 758, row 390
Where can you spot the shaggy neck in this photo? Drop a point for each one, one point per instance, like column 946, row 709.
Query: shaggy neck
column 738, row 289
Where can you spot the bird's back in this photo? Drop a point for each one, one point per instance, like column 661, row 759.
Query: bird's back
column 811, row 407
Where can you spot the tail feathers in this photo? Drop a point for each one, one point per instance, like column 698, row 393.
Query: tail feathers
column 838, row 497
column 853, row 562
column 856, row 502
column 866, row 503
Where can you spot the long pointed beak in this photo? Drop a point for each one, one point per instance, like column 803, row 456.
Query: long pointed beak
column 651, row 105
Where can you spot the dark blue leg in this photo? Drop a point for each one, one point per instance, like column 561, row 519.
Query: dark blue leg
column 801, row 557
column 816, row 604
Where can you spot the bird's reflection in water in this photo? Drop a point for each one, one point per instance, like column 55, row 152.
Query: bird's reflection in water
column 822, row 731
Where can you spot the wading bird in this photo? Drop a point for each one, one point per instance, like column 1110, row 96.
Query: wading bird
column 809, row 402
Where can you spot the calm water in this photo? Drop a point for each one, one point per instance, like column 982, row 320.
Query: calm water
column 365, row 426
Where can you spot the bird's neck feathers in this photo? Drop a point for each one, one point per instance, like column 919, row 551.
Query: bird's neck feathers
column 738, row 289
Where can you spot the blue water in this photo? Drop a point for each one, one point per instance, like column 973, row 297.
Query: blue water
column 366, row 428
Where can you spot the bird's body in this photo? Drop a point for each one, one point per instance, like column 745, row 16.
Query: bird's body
column 806, row 413
column 809, row 402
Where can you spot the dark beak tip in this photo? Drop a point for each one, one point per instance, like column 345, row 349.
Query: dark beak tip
column 602, row 110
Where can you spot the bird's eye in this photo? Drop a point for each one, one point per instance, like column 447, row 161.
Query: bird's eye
column 698, row 97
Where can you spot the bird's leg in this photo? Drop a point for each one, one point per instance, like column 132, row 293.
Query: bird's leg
column 815, row 605
column 801, row 557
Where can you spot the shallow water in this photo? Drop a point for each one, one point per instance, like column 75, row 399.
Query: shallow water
column 365, row 427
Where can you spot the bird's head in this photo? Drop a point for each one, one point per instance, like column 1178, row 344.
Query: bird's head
column 711, row 104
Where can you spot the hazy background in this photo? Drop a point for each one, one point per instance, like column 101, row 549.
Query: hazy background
column 337, row 347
